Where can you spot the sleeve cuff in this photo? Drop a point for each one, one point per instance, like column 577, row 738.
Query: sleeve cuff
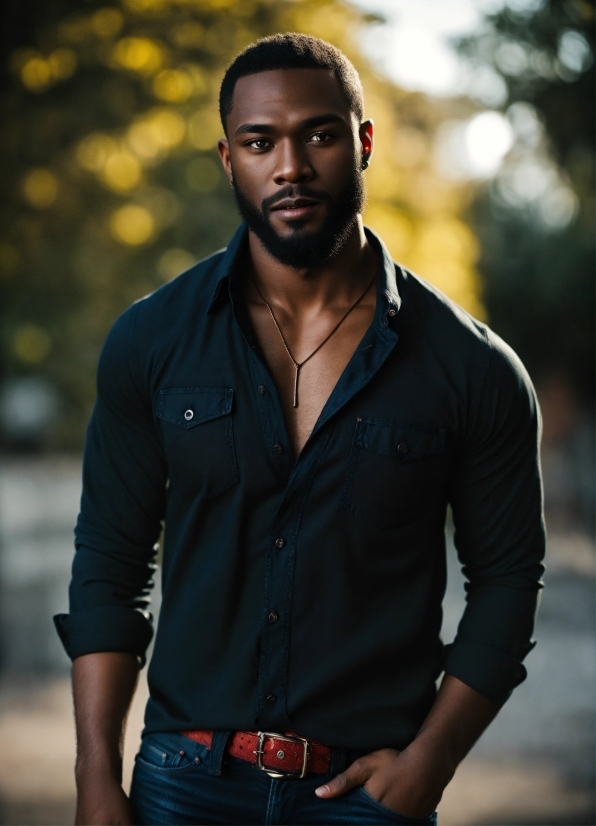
column 488, row 670
column 105, row 628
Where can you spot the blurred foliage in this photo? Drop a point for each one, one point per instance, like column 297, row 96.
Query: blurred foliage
column 113, row 185
column 536, row 231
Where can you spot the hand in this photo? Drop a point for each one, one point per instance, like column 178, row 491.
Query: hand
column 410, row 782
column 102, row 803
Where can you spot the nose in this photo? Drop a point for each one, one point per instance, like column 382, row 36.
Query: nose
column 293, row 164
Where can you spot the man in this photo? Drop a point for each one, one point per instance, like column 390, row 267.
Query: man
column 300, row 411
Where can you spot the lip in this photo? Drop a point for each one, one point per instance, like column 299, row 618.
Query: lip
column 295, row 208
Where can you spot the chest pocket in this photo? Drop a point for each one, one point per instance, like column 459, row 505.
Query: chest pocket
column 199, row 437
column 394, row 471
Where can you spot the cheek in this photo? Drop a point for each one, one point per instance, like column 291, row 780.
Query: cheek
column 252, row 177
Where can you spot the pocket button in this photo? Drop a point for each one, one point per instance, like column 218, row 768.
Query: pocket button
column 188, row 415
column 403, row 448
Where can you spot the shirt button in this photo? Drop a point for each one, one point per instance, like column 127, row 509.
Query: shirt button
column 188, row 415
column 272, row 617
column 278, row 448
column 392, row 312
column 271, row 698
column 261, row 389
column 402, row 447
column 279, row 543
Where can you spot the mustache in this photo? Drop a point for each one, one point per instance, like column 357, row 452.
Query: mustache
column 293, row 191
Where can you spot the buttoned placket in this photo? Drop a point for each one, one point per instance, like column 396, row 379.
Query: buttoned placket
column 295, row 477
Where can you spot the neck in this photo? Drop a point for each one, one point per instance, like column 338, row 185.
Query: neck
column 333, row 281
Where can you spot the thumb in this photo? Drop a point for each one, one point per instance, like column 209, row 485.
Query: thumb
column 355, row 775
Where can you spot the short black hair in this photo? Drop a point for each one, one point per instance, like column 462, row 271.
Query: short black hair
column 292, row 51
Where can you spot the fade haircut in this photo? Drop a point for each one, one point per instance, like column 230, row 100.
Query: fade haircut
column 292, row 51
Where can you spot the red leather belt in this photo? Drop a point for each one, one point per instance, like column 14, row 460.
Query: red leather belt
column 280, row 755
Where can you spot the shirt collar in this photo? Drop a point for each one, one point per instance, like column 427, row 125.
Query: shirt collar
column 386, row 283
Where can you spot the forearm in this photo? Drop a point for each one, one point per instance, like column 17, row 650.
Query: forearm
column 412, row 781
column 456, row 720
column 103, row 688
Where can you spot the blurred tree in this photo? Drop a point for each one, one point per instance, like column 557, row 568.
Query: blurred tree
column 109, row 127
column 536, row 223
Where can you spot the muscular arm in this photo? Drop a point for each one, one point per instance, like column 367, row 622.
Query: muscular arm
column 103, row 687
column 412, row 781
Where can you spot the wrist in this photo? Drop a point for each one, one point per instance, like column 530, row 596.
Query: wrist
column 98, row 768
column 434, row 754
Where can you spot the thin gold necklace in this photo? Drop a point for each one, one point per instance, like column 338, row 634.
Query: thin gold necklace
column 298, row 365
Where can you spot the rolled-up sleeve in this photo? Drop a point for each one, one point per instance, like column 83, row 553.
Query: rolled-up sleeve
column 122, row 505
column 496, row 499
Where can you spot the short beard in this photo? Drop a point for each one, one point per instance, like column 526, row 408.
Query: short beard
column 303, row 249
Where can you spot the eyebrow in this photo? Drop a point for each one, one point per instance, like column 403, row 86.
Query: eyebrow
column 309, row 123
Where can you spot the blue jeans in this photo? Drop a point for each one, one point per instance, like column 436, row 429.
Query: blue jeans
column 178, row 781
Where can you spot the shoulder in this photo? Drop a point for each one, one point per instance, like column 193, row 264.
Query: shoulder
column 152, row 324
column 436, row 314
column 473, row 355
column 161, row 311
column 193, row 287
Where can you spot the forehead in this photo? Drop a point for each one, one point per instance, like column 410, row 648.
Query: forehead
column 282, row 95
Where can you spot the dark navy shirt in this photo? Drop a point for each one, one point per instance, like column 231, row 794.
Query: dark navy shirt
column 305, row 594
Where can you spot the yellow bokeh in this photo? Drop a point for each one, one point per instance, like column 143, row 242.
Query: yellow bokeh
column 143, row 140
column 94, row 150
column 204, row 129
column 132, row 224
column 31, row 344
column 107, row 22
column 122, row 171
column 172, row 85
column 199, row 78
column 63, row 63
column 174, row 261
column 448, row 238
column 144, row 6
column 187, row 35
column 36, row 74
column 151, row 136
column 40, row 188
column 203, row 175
column 138, row 54
column 164, row 206
column 394, row 227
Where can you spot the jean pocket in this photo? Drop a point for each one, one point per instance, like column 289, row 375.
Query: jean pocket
column 398, row 817
column 161, row 754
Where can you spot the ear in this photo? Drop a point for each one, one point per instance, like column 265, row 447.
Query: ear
column 366, row 141
column 223, row 147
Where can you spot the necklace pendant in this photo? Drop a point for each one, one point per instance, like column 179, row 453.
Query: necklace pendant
column 297, row 369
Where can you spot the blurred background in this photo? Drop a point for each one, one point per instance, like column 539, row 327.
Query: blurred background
column 482, row 183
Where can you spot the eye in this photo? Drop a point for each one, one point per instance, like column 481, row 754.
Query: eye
column 320, row 137
column 258, row 143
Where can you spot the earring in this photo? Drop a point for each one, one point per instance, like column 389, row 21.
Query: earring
column 365, row 162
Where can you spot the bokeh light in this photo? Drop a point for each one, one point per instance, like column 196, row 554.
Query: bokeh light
column 31, row 344
column 132, row 225
column 40, row 188
column 138, row 54
column 174, row 261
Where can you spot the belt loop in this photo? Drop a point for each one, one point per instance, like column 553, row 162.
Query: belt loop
column 218, row 746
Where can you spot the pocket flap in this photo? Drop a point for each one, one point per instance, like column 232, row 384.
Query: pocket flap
column 189, row 406
column 403, row 441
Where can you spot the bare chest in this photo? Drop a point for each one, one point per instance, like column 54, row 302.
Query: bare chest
column 304, row 390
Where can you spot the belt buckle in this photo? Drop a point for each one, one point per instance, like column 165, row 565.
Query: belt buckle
column 259, row 751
